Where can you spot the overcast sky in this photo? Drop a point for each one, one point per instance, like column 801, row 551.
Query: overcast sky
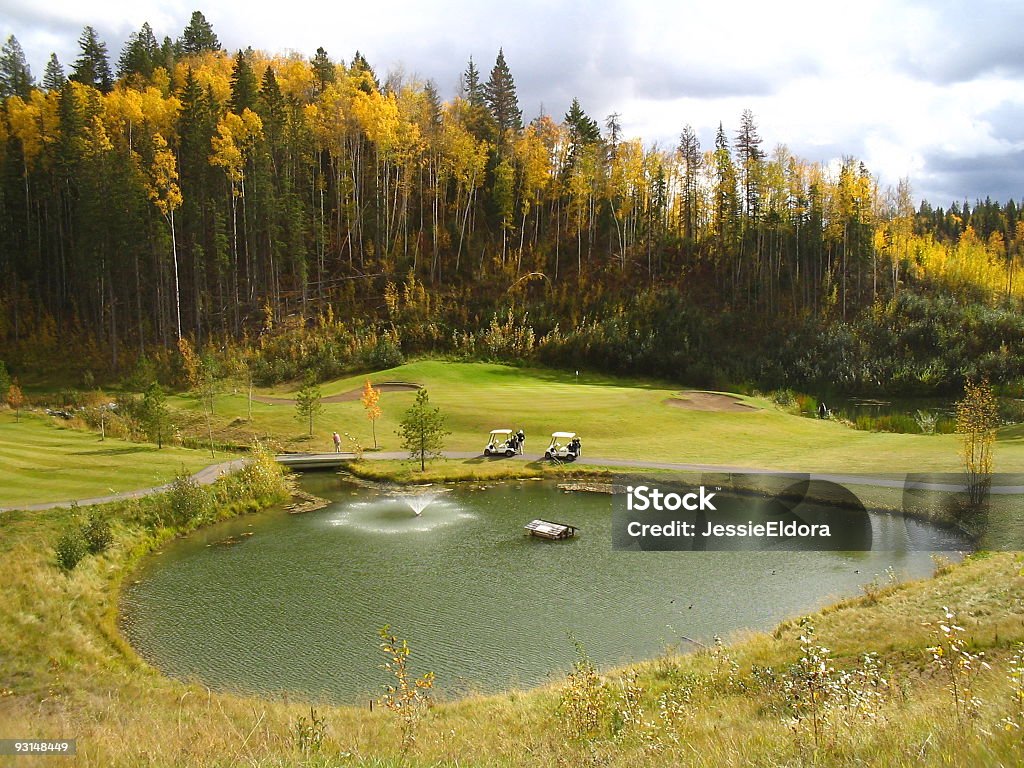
column 933, row 91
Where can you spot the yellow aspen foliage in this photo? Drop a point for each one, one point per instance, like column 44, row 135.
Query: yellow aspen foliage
column 163, row 178
column 295, row 77
column 370, row 399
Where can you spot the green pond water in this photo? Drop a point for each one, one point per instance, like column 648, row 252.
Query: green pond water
column 294, row 608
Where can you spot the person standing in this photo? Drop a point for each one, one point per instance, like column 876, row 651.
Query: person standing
column 337, row 443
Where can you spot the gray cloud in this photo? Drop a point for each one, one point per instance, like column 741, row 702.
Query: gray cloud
column 947, row 178
column 964, row 42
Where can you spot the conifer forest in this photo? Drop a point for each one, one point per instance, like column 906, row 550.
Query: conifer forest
column 311, row 214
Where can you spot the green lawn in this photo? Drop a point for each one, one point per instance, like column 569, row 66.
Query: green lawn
column 616, row 418
column 41, row 461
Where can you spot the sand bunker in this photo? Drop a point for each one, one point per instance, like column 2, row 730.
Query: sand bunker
column 345, row 397
column 693, row 400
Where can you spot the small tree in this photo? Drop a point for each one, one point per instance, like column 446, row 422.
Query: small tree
column 409, row 697
column 423, row 430
column 369, row 400
column 202, row 380
column 155, row 415
column 308, row 403
column 977, row 417
column 15, row 399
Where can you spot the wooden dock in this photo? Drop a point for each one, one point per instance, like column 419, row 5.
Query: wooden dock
column 545, row 529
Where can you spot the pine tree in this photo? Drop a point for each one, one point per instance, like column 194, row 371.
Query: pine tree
column 500, row 95
column 140, row 55
column 198, row 36
column 583, row 129
column 689, row 154
column 748, row 148
column 92, row 67
column 472, row 89
column 15, row 75
column 478, row 119
column 54, row 77
column 323, row 70
column 366, row 79
column 243, row 85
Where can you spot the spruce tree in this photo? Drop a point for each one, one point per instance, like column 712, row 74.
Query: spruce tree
column 500, row 95
column 15, row 75
column 748, row 148
column 583, row 129
column 243, row 85
column 198, row 36
column 366, row 78
column 323, row 70
column 54, row 77
column 92, row 67
column 689, row 153
column 140, row 55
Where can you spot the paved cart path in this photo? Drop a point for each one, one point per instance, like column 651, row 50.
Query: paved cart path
column 210, row 474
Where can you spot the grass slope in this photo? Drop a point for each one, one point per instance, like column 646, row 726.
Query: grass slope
column 41, row 461
column 616, row 418
column 68, row 673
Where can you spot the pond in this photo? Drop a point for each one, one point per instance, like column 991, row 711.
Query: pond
column 281, row 604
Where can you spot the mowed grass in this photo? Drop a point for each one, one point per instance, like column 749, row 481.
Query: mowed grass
column 43, row 462
column 616, row 418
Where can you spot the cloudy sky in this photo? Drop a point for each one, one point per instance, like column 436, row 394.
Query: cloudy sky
column 930, row 90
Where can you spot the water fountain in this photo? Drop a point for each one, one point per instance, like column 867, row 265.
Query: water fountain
column 390, row 514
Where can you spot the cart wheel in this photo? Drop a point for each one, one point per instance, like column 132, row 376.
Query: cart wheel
column 487, row 451
column 510, row 452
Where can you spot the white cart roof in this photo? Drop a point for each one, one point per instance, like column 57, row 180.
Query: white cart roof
column 501, row 431
column 563, row 435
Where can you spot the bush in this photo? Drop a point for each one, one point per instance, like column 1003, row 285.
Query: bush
column 187, row 500
column 71, row 548
column 97, row 534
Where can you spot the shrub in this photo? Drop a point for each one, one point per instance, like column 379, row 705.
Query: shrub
column 187, row 500
column 96, row 533
column 71, row 548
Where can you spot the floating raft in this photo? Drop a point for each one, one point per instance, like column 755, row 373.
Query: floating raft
column 545, row 529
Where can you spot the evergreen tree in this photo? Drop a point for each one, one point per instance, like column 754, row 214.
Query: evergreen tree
column 583, row 129
column 140, row 55
column 167, row 57
column 366, row 79
column 15, row 75
column 472, row 88
column 478, row 118
column 92, row 67
column 689, row 154
column 54, row 77
column 323, row 70
column 748, row 148
column 198, row 36
column 500, row 95
column 243, row 85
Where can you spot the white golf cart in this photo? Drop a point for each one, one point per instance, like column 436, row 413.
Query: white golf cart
column 503, row 442
column 565, row 446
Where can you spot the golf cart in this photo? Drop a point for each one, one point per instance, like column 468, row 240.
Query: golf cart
column 503, row 442
column 565, row 446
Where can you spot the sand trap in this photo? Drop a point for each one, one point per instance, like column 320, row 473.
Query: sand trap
column 345, row 397
column 693, row 400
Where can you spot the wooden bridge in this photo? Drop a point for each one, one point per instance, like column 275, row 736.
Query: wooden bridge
column 302, row 461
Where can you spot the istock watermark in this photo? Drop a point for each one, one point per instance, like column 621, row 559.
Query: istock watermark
column 782, row 511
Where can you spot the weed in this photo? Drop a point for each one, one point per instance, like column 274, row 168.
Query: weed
column 409, row 697
column 309, row 734
column 959, row 665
